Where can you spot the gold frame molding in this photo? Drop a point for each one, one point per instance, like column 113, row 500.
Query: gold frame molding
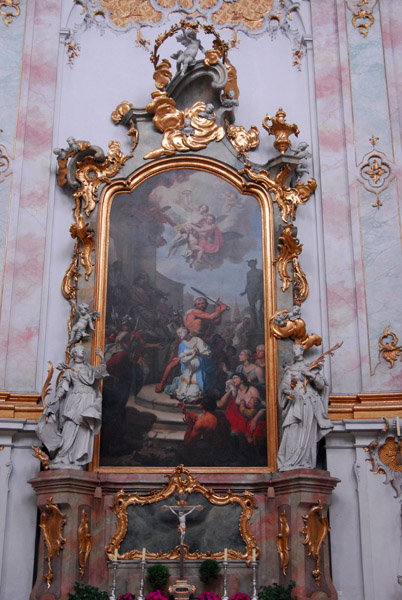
column 181, row 482
column 255, row 189
column 365, row 406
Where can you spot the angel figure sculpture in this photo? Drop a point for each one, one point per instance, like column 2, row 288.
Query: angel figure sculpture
column 186, row 58
column 85, row 321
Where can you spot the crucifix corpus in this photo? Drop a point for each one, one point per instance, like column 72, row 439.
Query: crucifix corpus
column 182, row 590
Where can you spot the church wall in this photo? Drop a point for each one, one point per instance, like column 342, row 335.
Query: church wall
column 352, row 86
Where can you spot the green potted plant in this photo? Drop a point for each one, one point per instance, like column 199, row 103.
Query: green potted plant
column 158, row 576
column 277, row 591
column 209, row 569
column 87, row 592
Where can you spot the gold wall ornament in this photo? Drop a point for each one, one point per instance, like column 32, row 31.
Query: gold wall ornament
column 9, row 10
column 183, row 130
column 288, row 199
column 70, row 279
column 181, row 482
column 362, row 14
column 241, row 139
column 51, row 523
column 281, row 130
column 73, row 50
column 388, row 349
column 42, row 456
column 286, row 324
column 84, row 542
column 290, row 249
column 232, row 81
column 315, row 530
column 282, row 542
column 82, row 233
column 385, row 456
column 63, row 156
column 117, row 117
column 90, row 174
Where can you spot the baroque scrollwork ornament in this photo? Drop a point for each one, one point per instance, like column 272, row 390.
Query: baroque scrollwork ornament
column 84, row 542
column 289, row 324
column 362, row 14
column 51, row 523
column 375, row 171
column 282, row 542
column 288, row 199
column 181, row 482
column 290, row 249
column 315, row 531
column 388, row 349
column 9, row 10
column 384, row 458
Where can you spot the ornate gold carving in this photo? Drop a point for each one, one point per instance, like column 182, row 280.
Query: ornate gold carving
column 63, row 158
column 42, row 456
column 46, row 389
column 117, row 116
column 388, row 350
column 281, row 130
column 70, row 279
column 374, row 170
column 182, row 483
column 189, row 129
column 86, row 236
column 287, row 198
column 242, row 140
column 365, row 406
column 282, row 544
column 9, row 15
column 73, row 50
column 284, row 324
column 232, row 80
column 290, row 248
column 386, row 456
column 315, row 530
column 362, row 17
column 51, row 523
column 90, row 173
column 84, row 542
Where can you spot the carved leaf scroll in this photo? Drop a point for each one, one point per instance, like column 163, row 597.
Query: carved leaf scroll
column 290, row 249
column 315, row 530
column 182, row 482
column 51, row 523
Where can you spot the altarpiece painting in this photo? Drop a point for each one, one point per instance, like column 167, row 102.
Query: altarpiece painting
column 184, row 319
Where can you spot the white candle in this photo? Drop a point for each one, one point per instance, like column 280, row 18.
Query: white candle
column 225, row 554
column 254, row 555
column 398, row 429
column 115, row 555
column 143, row 554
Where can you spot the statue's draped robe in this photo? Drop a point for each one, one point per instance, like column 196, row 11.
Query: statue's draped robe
column 304, row 420
column 80, row 415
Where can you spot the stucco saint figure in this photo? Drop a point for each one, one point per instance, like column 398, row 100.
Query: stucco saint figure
column 69, row 429
column 303, row 396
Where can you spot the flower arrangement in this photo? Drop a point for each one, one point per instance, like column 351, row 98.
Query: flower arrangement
column 127, row 596
column 209, row 596
column 239, row 596
column 157, row 595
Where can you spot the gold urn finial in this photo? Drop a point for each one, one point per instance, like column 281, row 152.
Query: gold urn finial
column 280, row 129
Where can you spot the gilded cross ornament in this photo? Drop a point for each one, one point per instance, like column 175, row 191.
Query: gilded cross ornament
column 375, row 171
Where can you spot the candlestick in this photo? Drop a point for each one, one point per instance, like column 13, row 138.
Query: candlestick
column 143, row 563
column 113, row 590
column 225, row 578
column 115, row 555
column 225, row 554
column 398, row 429
column 254, row 555
column 254, row 595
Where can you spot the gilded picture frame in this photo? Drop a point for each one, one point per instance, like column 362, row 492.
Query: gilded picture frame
column 160, row 227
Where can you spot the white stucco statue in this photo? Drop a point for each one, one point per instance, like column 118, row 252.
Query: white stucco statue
column 303, row 400
column 68, row 430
